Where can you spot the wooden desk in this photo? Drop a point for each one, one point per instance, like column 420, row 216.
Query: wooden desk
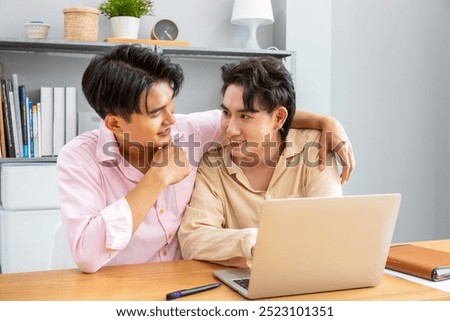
column 152, row 281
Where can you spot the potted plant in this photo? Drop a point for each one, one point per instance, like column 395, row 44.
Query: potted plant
column 125, row 15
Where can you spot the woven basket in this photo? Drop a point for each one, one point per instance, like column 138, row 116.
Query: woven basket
column 81, row 23
column 37, row 30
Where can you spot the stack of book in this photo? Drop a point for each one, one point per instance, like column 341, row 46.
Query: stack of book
column 58, row 118
column 38, row 129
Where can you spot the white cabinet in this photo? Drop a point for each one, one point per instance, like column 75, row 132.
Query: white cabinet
column 27, row 239
column 31, row 234
column 28, row 186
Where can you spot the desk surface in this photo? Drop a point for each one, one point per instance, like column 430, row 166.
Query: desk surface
column 152, row 281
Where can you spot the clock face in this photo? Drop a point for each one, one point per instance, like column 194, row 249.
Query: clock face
column 165, row 30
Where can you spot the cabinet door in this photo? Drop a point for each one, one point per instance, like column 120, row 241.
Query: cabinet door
column 26, row 186
column 31, row 239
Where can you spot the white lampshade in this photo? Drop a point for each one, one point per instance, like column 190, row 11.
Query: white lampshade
column 252, row 14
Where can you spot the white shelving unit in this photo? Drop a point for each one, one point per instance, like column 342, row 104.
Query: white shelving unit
column 66, row 46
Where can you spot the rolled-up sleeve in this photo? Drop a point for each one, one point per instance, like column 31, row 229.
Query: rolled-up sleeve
column 118, row 226
column 96, row 230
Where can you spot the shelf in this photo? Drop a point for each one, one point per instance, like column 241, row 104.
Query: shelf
column 64, row 46
column 220, row 53
column 85, row 47
column 11, row 160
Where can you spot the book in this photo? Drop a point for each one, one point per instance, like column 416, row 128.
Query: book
column 2, row 125
column 59, row 120
column 7, row 120
column 419, row 261
column 2, row 133
column 12, row 112
column 18, row 112
column 71, row 113
column 46, row 134
column 24, row 119
column 37, row 130
column 30, row 131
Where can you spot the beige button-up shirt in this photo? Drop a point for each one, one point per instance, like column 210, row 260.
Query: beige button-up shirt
column 220, row 223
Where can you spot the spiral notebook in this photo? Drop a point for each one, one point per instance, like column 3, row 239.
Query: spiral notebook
column 309, row 245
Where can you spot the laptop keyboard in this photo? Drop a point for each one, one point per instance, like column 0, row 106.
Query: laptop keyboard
column 242, row 282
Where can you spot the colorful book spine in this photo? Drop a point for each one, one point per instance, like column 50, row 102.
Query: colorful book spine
column 37, row 130
column 24, row 120
column 30, row 132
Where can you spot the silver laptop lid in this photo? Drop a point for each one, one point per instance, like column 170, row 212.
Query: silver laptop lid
column 322, row 244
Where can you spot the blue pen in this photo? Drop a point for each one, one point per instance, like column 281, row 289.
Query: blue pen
column 185, row 292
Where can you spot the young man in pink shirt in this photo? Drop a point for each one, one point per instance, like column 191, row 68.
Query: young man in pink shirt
column 125, row 186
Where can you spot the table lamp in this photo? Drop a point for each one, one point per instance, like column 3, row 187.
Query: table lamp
column 252, row 14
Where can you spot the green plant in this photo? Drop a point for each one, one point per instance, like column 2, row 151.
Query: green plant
column 130, row 8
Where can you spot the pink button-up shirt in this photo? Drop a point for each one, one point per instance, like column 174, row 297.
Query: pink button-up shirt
column 93, row 181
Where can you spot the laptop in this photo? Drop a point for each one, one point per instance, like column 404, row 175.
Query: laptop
column 318, row 244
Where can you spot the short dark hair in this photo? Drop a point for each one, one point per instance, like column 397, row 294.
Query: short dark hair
column 113, row 82
column 266, row 81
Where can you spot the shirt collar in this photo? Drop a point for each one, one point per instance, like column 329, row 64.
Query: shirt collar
column 231, row 166
column 107, row 148
column 295, row 143
column 108, row 152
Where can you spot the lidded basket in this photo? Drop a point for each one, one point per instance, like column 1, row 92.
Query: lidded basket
column 81, row 23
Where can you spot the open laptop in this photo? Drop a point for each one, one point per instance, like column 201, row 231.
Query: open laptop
column 318, row 244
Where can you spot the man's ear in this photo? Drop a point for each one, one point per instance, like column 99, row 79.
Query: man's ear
column 114, row 123
column 281, row 114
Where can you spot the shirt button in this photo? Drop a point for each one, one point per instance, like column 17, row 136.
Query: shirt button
column 161, row 211
column 268, row 197
column 164, row 253
column 170, row 236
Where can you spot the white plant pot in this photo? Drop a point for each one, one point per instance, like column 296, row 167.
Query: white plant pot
column 125, row 27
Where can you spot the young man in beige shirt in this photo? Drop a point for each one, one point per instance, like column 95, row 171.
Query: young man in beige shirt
column 264, row 159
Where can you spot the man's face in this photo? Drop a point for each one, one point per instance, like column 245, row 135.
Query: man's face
column 151, row 128
column 247, row 132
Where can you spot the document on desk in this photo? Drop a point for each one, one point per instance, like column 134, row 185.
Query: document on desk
column 419, row 261
column 443, row 285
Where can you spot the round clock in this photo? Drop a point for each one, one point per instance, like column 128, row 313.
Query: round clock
column 164, row 29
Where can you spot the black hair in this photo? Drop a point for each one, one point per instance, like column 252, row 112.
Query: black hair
column 267, row 82
column 113, row 82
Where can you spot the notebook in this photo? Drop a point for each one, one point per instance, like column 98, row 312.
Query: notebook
column 419, row 261
column 318, row 244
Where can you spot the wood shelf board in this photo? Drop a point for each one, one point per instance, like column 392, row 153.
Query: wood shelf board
column 162, row 43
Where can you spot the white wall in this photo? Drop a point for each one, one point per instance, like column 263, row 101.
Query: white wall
column 203, row 23
column 304, row 26
column 389, row 86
